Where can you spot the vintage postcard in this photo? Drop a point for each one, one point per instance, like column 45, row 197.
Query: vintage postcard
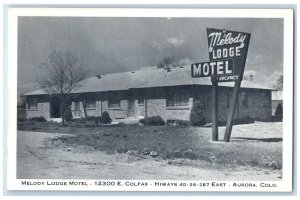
column 150, row 99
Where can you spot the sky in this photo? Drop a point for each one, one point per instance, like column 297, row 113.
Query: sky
column 110, row 45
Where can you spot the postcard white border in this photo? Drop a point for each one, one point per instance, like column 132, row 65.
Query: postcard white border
column 285, row 185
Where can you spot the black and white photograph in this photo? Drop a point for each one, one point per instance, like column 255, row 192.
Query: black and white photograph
column 154, row 102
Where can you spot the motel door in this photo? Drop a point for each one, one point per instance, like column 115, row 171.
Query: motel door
column 77, row 111
column 131, row 108
column 55, row 110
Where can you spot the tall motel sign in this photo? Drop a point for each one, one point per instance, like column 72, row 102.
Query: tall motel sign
column 227, row 57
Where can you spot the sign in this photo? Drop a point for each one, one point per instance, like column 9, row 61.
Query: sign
column 227, row 54
column 225, row 78
column 214, row 68
column 224, row 44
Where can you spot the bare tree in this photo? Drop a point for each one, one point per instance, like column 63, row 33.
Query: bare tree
column 279, row 83
column 61, row 75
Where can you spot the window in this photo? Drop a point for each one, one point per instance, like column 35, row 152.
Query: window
column 114, row 104
column 244, row 97
column 32, row 104
column 203, row 98
column 91, row 104
column 265, row 99
column 178, row 99
column 141, row 102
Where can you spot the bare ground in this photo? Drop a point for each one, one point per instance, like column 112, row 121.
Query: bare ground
column 39, row 160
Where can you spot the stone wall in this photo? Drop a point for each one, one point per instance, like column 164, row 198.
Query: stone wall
column 259, row 104
column 258, row 108
column 43, row 109
column 156, row 107
column 180, row 113
column 118, row 113
column 94, row 111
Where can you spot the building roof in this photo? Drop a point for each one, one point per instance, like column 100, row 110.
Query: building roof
column 147, row 79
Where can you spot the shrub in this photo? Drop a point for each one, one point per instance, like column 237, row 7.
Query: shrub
column 279, row 112
column 105, row 118
column 197, row 114
column 153, row 121
column 244, row 120
column 98, row 119
column 91, row 118
column 68, row 114
column 21, row 114
column 79, row 120
column 39, row 119
column 21, row 119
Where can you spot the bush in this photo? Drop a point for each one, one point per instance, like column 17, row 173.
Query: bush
column 79, row 120
column 96, row 119
column 105, row 118
column 153, row 121
column 21, row 114
column 279, row 112
column 197, row 114
column 68, row 114
column 21, row 119
column 91, row 118
column 244, row 120
column 39, row 119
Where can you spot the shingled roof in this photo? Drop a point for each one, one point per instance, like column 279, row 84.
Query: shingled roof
column 147, row 79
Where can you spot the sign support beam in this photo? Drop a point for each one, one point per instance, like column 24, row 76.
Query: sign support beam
column 215, row 133
column 232, row 109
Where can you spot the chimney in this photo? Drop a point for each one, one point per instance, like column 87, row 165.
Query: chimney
column 251, row 77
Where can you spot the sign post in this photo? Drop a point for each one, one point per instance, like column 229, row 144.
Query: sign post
column 215, row 131
column 235, row 93
column 232, row 108
column 227, row 54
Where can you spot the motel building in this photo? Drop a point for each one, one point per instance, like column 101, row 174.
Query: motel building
column 153, row 92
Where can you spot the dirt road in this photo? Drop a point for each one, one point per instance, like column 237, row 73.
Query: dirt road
column 36, row 160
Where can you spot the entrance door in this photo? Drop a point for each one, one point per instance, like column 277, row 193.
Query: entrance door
column 55, row 110
column 77, row 110
column 131, row 108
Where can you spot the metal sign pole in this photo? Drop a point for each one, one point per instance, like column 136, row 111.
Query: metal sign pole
column 233, row 105
column 235, row 96
column 215, row 134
